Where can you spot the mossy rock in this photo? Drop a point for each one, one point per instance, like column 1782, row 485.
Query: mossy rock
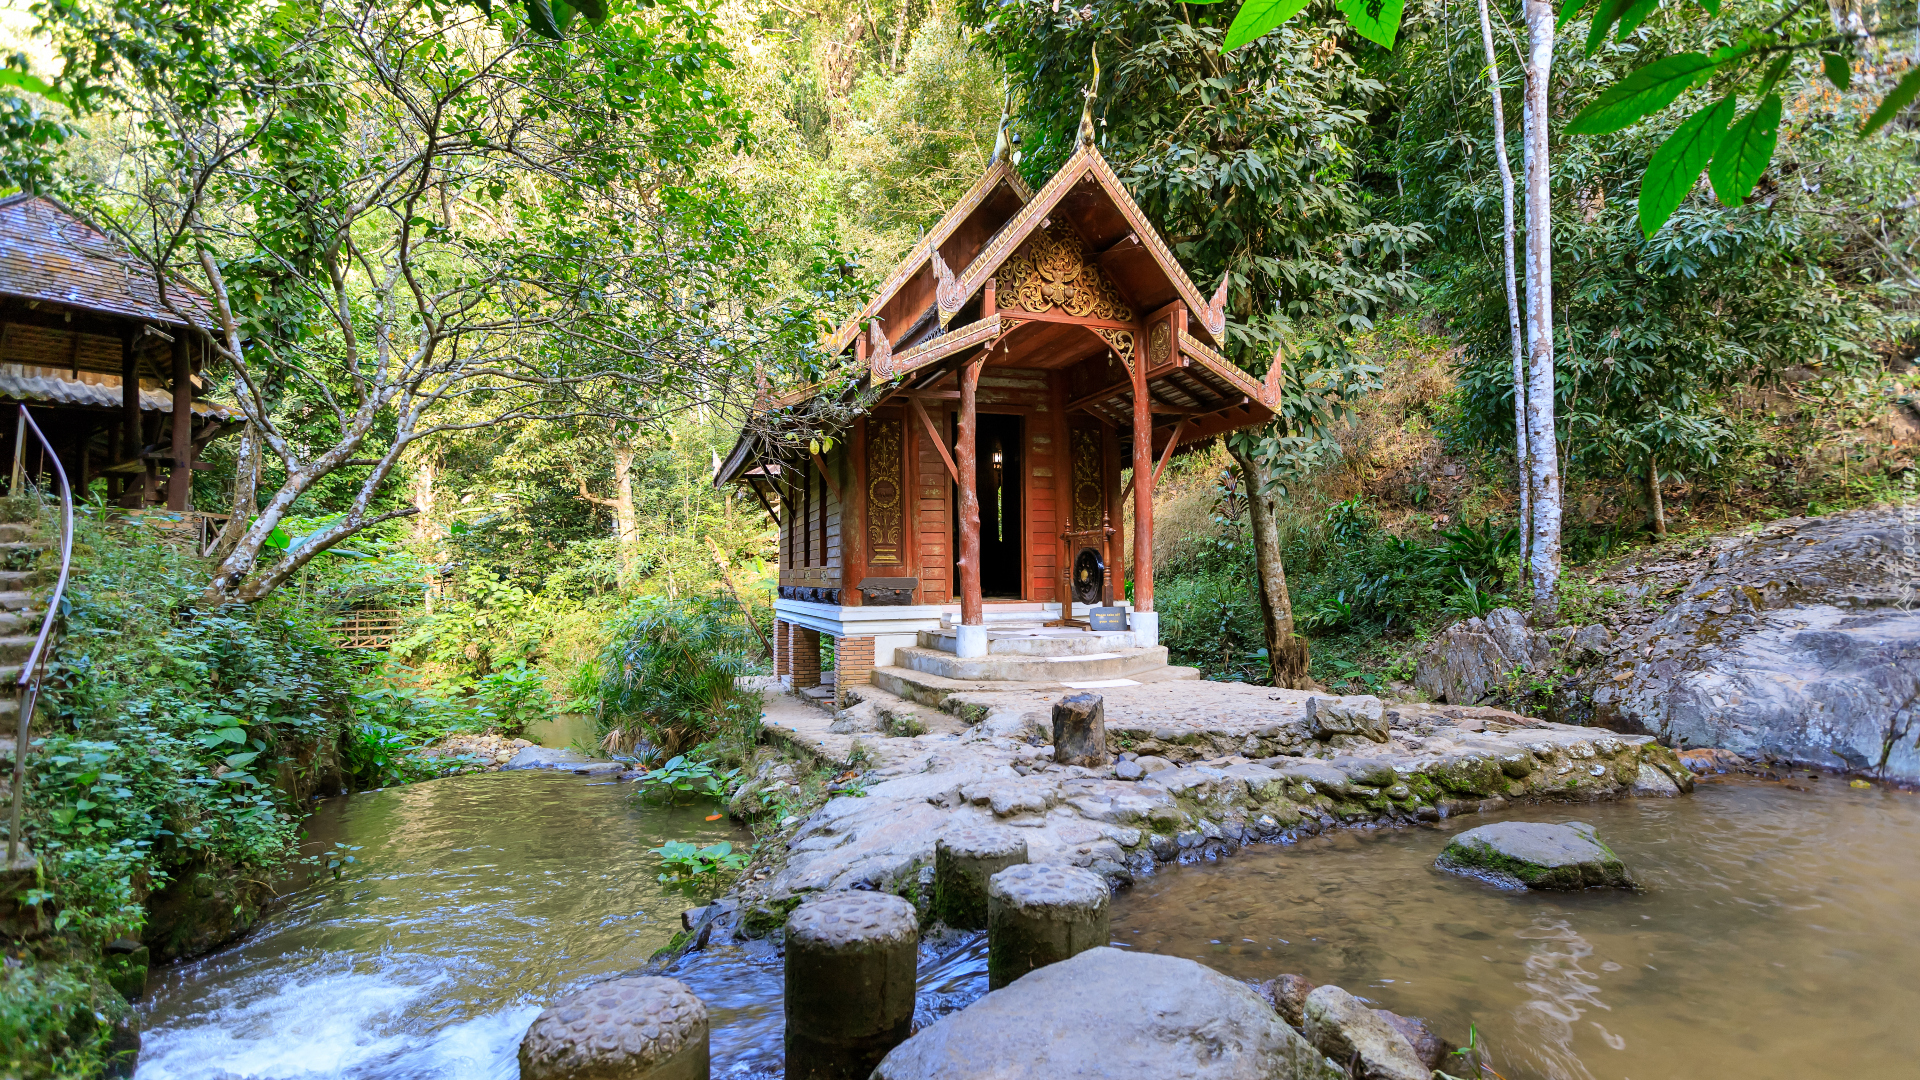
column 1536, row 855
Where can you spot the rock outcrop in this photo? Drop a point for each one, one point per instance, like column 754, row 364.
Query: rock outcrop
column 1536, row 855
column 1798, row 641
column 1109, row 1013
column 1189, row 792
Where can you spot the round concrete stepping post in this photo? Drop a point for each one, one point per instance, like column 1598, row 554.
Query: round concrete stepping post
column 1080, row 731
column 1042, row 914
column 642, row 1028
column 963, row 861
column 852, row 961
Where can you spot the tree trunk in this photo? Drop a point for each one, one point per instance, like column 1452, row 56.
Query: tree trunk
column 246, row 485
column 1286, row 651
column 626, row 524
column 1545, row 553
column 1653, row 498
column 423, row 492
column 1524, row 478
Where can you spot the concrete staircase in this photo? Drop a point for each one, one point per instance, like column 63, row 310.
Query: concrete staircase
column 1027, row 656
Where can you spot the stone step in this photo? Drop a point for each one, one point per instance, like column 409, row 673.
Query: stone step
column 1039, row 641
column 16, row 600
column 1112, row 664
column 930, row 689
column 14, row 580
column 26, row 621
column 15, row 647
column 13, row 532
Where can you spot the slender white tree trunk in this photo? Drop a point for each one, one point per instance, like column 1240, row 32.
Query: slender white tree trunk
column 625, row 523
column 1545, row 553
column 423, row 492
column 1524, row 478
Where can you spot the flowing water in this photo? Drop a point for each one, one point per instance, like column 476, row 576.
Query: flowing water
column 471, row 902
column 1778, row 935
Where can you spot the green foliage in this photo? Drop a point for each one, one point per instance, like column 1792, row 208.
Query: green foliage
column 681, row 779
column 176, row 732
column 698, row 867
column 668, row 675
column 56, row 1021
column 1211, row 619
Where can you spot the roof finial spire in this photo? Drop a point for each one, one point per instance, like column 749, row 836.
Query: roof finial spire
column 1006, row 118
column 1093, row 91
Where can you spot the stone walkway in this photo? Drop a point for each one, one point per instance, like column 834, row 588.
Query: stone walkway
column 1205, row 768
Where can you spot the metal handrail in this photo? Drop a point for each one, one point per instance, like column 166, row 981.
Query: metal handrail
column 32, row 672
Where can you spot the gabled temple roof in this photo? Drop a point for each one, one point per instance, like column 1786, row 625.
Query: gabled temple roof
column 49, row 253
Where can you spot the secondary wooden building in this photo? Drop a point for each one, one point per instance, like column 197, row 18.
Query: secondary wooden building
column 108, row 371
column 1032, row 364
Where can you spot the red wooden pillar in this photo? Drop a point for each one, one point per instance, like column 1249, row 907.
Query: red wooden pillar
column 1142, row 485
column 180, row 478
column 965, row 460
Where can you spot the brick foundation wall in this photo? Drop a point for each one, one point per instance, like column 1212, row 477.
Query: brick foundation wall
column 852, row 665
column 782, row 659
column 804, row 645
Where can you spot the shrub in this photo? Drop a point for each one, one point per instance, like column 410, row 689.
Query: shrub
column 668, row 678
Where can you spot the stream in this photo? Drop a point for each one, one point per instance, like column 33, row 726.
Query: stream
column 1778, row 936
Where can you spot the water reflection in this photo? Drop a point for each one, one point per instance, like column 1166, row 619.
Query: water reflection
column 1779, row 936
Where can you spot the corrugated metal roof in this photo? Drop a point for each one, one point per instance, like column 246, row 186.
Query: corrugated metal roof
column 36, row 384
column 47, row 252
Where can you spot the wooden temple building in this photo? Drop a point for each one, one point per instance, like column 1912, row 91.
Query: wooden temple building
column 1029, row 352
column 106, row 369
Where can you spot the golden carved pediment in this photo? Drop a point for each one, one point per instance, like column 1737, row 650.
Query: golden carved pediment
column 1053, row 270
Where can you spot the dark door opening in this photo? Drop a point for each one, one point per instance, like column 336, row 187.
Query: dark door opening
column 997, row 474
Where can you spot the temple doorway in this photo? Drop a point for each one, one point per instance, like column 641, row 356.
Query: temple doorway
column 997, row 474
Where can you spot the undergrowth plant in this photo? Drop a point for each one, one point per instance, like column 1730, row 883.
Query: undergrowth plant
column 667, row 679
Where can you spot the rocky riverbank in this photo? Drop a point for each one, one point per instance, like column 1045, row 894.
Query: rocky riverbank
column 1202, row 769
column 1794, row 641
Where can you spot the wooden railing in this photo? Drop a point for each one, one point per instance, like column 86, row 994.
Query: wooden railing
column 370, row 629
column 34, row 671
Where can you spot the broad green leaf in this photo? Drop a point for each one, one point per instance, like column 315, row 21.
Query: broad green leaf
column 541, row 16
column 563, row 13
column 1256, row 17
column 1775, row 73
column 232, row 734
column 32, row 85
column 1839, row 70
column 594, row 10
column 1646, row 91
column 1712, row 7
column 1745, row 151
column 1568, row 9
column 1635, row 14
column 1376, row 20
column 1676, row 165
column 1898, row 98
column 278, row 538
column 1604, row 17
column 235, row 761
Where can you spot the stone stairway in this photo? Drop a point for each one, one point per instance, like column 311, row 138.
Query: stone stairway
column 1024, row 657
column 23, row 605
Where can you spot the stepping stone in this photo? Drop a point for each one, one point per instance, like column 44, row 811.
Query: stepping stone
column 1535, row 855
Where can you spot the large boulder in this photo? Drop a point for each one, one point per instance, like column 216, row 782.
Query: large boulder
column 1797, row 642
column 1115, row 1015
column 1535, row 855
column 1349, row 1033
column 1468, row 661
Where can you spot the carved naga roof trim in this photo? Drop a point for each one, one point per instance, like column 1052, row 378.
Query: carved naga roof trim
column 929, row 245
column 1086, row 161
